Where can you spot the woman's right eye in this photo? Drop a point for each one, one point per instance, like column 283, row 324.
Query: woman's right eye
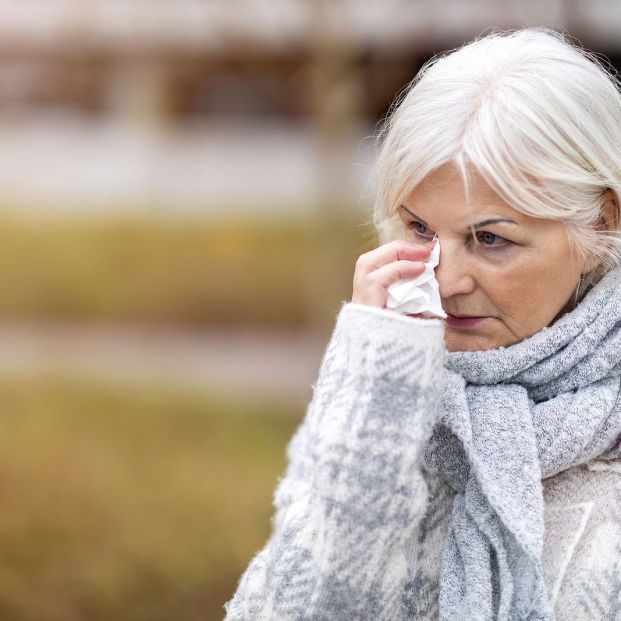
column 418, row 228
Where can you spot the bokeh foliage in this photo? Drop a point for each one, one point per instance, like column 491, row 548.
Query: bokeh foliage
column 133, row 502
column 257, row 271
column 140, row 502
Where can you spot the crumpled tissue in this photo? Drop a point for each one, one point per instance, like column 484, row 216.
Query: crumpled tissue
column 420, row 294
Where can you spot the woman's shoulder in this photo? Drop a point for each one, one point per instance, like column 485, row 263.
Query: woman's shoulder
column 582, row 546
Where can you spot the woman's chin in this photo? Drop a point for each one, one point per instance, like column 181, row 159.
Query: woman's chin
column 457, row 340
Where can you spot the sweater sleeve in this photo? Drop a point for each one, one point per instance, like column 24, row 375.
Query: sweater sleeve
column 349, row 505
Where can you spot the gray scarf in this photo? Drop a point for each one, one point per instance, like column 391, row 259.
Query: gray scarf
column 512, row 417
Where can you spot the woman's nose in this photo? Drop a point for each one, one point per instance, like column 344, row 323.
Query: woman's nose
column 454, row 272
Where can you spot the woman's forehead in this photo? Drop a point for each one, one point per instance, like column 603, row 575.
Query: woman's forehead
column 445, row 188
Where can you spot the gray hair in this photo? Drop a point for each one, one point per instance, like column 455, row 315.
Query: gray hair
column 533, row 113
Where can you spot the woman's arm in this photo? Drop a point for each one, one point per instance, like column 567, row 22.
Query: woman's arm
column 353, row 494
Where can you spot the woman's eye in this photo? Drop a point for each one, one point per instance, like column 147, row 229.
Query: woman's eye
column 487, row 238
column 419, row 229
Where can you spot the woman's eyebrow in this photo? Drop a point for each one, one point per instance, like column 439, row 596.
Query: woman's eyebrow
column 478, row 225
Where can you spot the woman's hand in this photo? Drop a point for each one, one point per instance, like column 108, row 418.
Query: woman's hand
column 377, row 269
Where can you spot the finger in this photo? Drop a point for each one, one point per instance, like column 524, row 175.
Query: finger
column 373, row 290
column 393, row 251
column 386, row 275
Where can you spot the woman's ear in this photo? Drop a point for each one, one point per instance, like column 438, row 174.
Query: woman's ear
column 609, row 214
column 608, row 220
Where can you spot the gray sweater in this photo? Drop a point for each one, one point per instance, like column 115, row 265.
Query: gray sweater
column 360, row 525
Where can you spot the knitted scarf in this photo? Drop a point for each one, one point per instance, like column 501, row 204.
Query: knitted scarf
column 513, row 416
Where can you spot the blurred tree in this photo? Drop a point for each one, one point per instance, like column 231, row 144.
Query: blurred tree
column 336, row 94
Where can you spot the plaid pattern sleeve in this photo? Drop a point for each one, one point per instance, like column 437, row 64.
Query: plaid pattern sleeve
column 350, row 504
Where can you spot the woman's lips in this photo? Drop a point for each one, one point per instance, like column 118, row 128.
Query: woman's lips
column 463, row 322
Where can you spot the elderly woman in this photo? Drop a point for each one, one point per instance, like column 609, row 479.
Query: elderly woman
column 470, row 467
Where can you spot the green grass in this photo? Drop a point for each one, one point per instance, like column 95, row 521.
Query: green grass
column 251, row 271
column 131, row 504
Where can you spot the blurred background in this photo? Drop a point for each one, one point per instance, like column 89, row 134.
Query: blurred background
column 184, row 189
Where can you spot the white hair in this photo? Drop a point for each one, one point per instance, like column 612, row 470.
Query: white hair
column 536, row 115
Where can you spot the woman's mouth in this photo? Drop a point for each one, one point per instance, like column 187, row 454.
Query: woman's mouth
column 464, row 321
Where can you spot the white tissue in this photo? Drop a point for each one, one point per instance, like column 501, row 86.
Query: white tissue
column 420, row 294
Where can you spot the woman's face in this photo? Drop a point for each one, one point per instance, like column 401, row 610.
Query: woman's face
column 519, row 277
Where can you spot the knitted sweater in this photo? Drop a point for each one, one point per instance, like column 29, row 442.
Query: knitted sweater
column 359, row 526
